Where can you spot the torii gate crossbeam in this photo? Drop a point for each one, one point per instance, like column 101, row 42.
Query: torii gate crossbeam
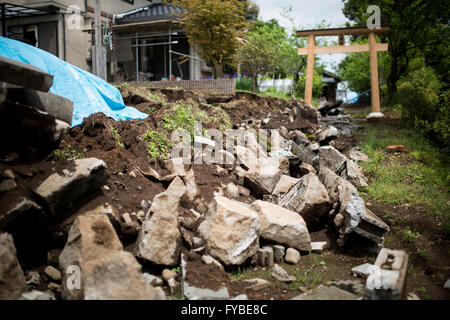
column 373, row 47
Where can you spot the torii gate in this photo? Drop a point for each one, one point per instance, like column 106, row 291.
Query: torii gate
column 373, row 47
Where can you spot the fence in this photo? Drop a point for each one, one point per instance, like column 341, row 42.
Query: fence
column 225, row 86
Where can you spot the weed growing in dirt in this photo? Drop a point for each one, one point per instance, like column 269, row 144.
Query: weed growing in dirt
column 422, row 252
column 158, row 145
column 116, row 135
column 68, row 153
column 237, row 274
column 408, row 235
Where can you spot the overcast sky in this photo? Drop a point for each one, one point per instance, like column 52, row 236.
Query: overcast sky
column 307, row 13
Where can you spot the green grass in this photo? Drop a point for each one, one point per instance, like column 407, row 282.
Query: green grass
column 67, row 153
column 157, row 144
column 419, row 178
column 408, row 235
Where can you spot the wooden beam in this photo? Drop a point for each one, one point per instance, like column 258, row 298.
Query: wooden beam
column 343, row 49
column 310, row 71
column 346, row 31
column 374, row 73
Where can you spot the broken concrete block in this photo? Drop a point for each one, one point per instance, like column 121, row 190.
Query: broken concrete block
column 292, row 256
column 281, row 275
column 26, row 221
column 24, row 75
column 352, row 214
column 447, row 284
column 284, row 184
column 331, row 158
column 12, row 279
column 176, row 166
column 231, row 231
column 91, row 238
column 263, row 178
column 207, row 259
column 159, row 240
column 358, row 156
column 62, row 192
column 119, row 277
column 266, row 257
column 278, row 253
column 327, row 134
column 355, row 175
column 61, row 108
column 387, row 278
column 257, row 284
column 282, row 226
column 299, row 137
column 7, row 185
column 362, row 270
column 310, row 199
column 245, row 157
column 326, row 293
column 305, row 154
column 372, row 227
column 318, row 247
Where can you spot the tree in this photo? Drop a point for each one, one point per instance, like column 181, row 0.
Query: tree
column 214, row 26
column 354, row 69
column 413, row 28
column 264, row 49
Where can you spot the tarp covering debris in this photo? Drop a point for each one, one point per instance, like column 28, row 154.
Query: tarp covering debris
column 89, row 93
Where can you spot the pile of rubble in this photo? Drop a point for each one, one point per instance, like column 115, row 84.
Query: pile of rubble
column 265, row 217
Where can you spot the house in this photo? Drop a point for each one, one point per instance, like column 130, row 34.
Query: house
column 330, row 89
column 62, row 27
column 151, row 45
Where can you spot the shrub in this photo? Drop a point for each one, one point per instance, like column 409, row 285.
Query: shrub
column 244, row 83
column 424, row 106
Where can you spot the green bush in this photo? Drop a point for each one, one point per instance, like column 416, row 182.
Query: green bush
column 424, row 106
column 244, row 83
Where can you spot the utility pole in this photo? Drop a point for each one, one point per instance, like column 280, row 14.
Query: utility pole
column 100, row 50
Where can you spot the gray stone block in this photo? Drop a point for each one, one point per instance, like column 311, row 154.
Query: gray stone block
column 24, row 75
column 60, row 107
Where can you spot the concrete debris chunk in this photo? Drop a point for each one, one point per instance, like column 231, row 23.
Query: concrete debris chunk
column 310, row 199
column 257, row 284
column 231, row 231
column 387, row 278
column 327, row 134
column 12, row 279
column 318, row 247
column 284, row 184
column 24, row 75
column 60, row 192
column 326, row 293
column 282, row 226
column 362, row 270
column 263, row 178
column 281, row 275
column 160, row 238
column 292, row 256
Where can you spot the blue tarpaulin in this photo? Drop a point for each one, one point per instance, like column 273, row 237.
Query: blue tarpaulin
column 89, row 93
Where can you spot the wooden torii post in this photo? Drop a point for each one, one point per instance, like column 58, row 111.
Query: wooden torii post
column 373, row 47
